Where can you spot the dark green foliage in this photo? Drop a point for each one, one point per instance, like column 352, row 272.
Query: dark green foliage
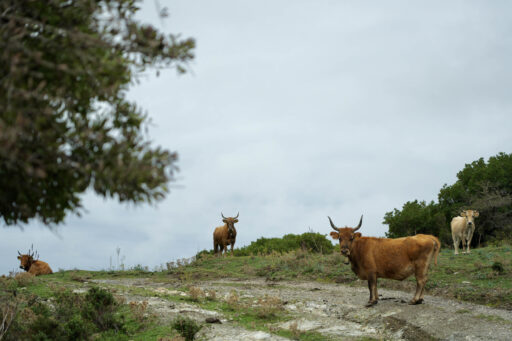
column 498, row 267
column 314, row 242
column 69, row 316
column 480, row 185
column 416, row 217
column 101, row 309
column 187, row 327
column 66, row 124
column 486, row 187
column 309, row 241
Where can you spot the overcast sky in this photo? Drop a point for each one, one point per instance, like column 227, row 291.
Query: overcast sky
column 295, row 110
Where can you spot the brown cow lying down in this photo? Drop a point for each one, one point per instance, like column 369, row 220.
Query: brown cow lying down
column 34, row 267
column 371, row 258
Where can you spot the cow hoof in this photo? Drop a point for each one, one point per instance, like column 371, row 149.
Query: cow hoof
column 371, row 304
column 413, row 302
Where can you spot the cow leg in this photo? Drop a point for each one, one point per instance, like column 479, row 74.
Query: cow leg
column 456, row 242
column 469, row 240
column 421, row 280
column 425, row 274
column 372, row 286
column 232, row 246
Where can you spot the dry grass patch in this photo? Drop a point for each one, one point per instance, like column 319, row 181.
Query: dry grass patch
column 24, row 278
column 233, row 300
column 269, row 306
column 295, row 331
column 210, row 295
column 195, row 293
column 139, row 310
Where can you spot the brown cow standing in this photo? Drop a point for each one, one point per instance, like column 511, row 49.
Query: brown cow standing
column 398, row 258
column 34, row 266
column 225, row 235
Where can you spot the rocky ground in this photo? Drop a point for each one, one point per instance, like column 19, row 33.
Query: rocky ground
column 335, row 311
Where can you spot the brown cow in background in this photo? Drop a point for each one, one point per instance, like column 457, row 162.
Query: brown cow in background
column 399, row 258
column 32, row 265
column 225, row 235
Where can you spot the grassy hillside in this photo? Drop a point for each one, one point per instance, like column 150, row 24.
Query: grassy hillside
column 483, row 277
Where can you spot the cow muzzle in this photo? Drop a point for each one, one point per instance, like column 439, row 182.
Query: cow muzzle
column 346, row 253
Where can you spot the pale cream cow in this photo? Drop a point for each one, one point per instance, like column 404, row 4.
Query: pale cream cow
column 462, row 229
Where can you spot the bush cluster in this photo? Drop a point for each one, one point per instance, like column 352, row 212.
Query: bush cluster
column 67, row 316
column 481, row 185
column 187, row 327
column 309, row 241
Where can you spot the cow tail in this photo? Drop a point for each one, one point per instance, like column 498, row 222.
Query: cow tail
column 437, row 248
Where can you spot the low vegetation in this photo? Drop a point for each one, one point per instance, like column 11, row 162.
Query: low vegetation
column 309, row 241
column 47, row 308
column 484, row 276
column 68, row 306
column 187, row 327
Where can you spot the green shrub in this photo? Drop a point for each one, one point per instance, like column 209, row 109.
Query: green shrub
column 187, row 327
column 67, row 316
column 101, row 308
column 498, row 267
column 310, row 241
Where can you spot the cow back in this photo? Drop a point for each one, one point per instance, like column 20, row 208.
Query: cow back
column 388, row 258
column 39, row 267
column 458, row 225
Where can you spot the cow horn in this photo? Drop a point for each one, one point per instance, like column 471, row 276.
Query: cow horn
column 359, row 225
column 332, row 224
column 222, row 215
column 19, row 253
column 237, row 215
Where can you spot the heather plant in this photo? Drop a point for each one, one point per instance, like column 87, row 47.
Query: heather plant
column 187, row 327
column 70, row 316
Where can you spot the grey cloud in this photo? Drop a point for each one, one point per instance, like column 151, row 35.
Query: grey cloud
column 299, row 110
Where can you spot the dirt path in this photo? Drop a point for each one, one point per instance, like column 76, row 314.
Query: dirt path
column 337, row 311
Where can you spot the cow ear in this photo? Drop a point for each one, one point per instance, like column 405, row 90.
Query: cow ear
column 357, row 235
column 19, row 257
column 476, row 213
column 235, row 221
column 463, row 213
column 335, row 235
